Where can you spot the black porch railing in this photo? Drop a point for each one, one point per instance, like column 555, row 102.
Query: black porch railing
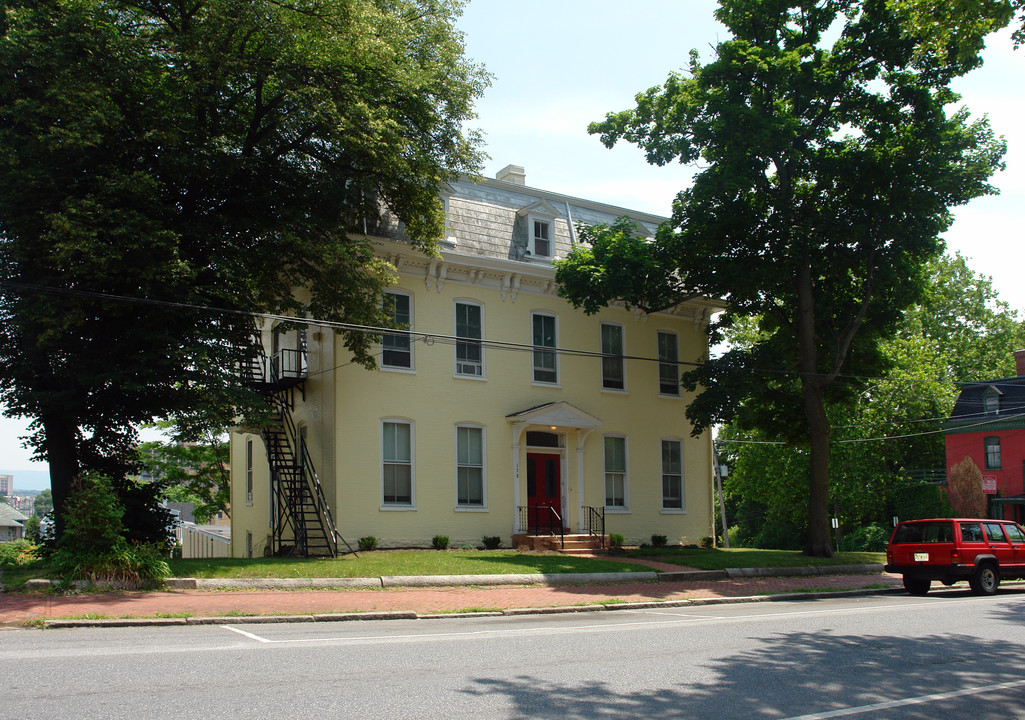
column 542, row 520
column 596, row 524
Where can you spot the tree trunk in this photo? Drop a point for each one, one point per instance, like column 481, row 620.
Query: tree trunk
column 812, row 385
column 61, row 438
column 819, row 541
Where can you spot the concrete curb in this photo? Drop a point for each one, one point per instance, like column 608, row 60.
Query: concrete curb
column 692, row 575
column 396, row 581
column 805, row 571
column 519, row 579
column 272, row 583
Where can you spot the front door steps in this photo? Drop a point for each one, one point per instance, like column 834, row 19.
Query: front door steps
column 576, row 544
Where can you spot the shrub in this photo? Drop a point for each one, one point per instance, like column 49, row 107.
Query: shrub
column 616, row 540
column 920, row 501
column 93, row 547
column 706, row 541
column 492, row 542
column 19, row 552
column 32, row 529
column 871, row 538
column 659, row 541
column 368, row 543
column 440, row 542
column 736, row 536
column 779, row 534
column 964, row 489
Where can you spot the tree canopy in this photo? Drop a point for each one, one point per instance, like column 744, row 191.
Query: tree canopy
column 160, row 158
column 886, row 445
column 829, row 168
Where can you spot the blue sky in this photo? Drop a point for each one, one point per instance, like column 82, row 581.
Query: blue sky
column 560, row 64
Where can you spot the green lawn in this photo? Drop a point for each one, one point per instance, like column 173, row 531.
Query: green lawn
column 400, row 562
column 719, row 559
column 464, row 562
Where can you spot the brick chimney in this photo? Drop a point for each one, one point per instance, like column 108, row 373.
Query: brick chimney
column 1019, row 362
column 512, row 174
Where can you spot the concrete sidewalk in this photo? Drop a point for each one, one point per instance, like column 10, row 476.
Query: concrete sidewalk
column 464, row 594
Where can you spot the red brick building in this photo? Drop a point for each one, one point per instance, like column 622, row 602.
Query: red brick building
column 987, row 424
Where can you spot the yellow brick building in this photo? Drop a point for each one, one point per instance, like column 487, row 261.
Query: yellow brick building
column 502, row 411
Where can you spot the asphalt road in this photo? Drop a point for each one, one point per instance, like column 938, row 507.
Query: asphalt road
column 948, row 655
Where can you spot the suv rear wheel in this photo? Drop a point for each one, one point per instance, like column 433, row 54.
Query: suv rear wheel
column 986, row 579
column 916, row 586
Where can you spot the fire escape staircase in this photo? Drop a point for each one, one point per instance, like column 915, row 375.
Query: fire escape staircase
column 303, row 524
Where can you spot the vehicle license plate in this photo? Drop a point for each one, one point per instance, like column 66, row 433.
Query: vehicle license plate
column 921, row 557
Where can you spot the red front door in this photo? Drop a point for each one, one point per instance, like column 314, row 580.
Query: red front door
column 543, row 492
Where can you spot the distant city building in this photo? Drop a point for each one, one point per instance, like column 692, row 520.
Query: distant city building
column 6, row 485
column 21, row 502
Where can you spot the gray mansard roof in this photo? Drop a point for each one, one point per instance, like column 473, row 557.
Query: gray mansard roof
column 490, row 218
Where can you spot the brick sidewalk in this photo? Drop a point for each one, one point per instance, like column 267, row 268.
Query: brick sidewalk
column 26, row 607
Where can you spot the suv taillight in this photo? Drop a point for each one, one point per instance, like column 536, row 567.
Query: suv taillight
column 955, row 556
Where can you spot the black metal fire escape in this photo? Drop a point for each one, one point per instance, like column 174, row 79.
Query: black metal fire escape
column 302, row 520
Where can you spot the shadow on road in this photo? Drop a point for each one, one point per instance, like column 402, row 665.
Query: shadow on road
column 797, row 673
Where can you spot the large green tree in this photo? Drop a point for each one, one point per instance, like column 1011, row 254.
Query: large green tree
column 830, row 165
column 162, row 157
column 960, row 331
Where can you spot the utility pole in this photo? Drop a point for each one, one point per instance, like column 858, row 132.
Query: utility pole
column 722, row 503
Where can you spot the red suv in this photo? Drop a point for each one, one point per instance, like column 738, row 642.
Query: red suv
column 950, row 549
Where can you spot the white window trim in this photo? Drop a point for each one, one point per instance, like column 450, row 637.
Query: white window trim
column 396, row 507
column 484, row 467
column 411, row 370
column 625, row 508
column 531, row 238
column 658, row 379
column 555, row 350
column 249, row 472
column 682, row 510
column 483, row 355
column 622, row 328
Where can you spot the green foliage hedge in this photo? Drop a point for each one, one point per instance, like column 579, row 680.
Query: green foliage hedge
column 871, row 538
column 94, row 548
column 19, row 552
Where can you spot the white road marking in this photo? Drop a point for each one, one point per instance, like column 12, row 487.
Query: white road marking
column 909, row 701
column 249, row 634
column 681, row 618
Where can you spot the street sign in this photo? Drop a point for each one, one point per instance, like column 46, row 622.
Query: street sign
column 989, row 484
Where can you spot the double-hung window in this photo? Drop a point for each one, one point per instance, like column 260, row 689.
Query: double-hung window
column 668, row 367
column 613, row 376
column 397, row 463
column 991, row 403
column 542, row 239
column 396, row 349
column 469, row 333
column 672, row 475
column 992, row 453
column 615, row 472
column 544, row 355
column 469, row 466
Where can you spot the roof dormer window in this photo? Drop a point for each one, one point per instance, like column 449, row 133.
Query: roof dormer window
column 991, row 404
column 991, row 401
column 539, row 221
column 542, row 243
